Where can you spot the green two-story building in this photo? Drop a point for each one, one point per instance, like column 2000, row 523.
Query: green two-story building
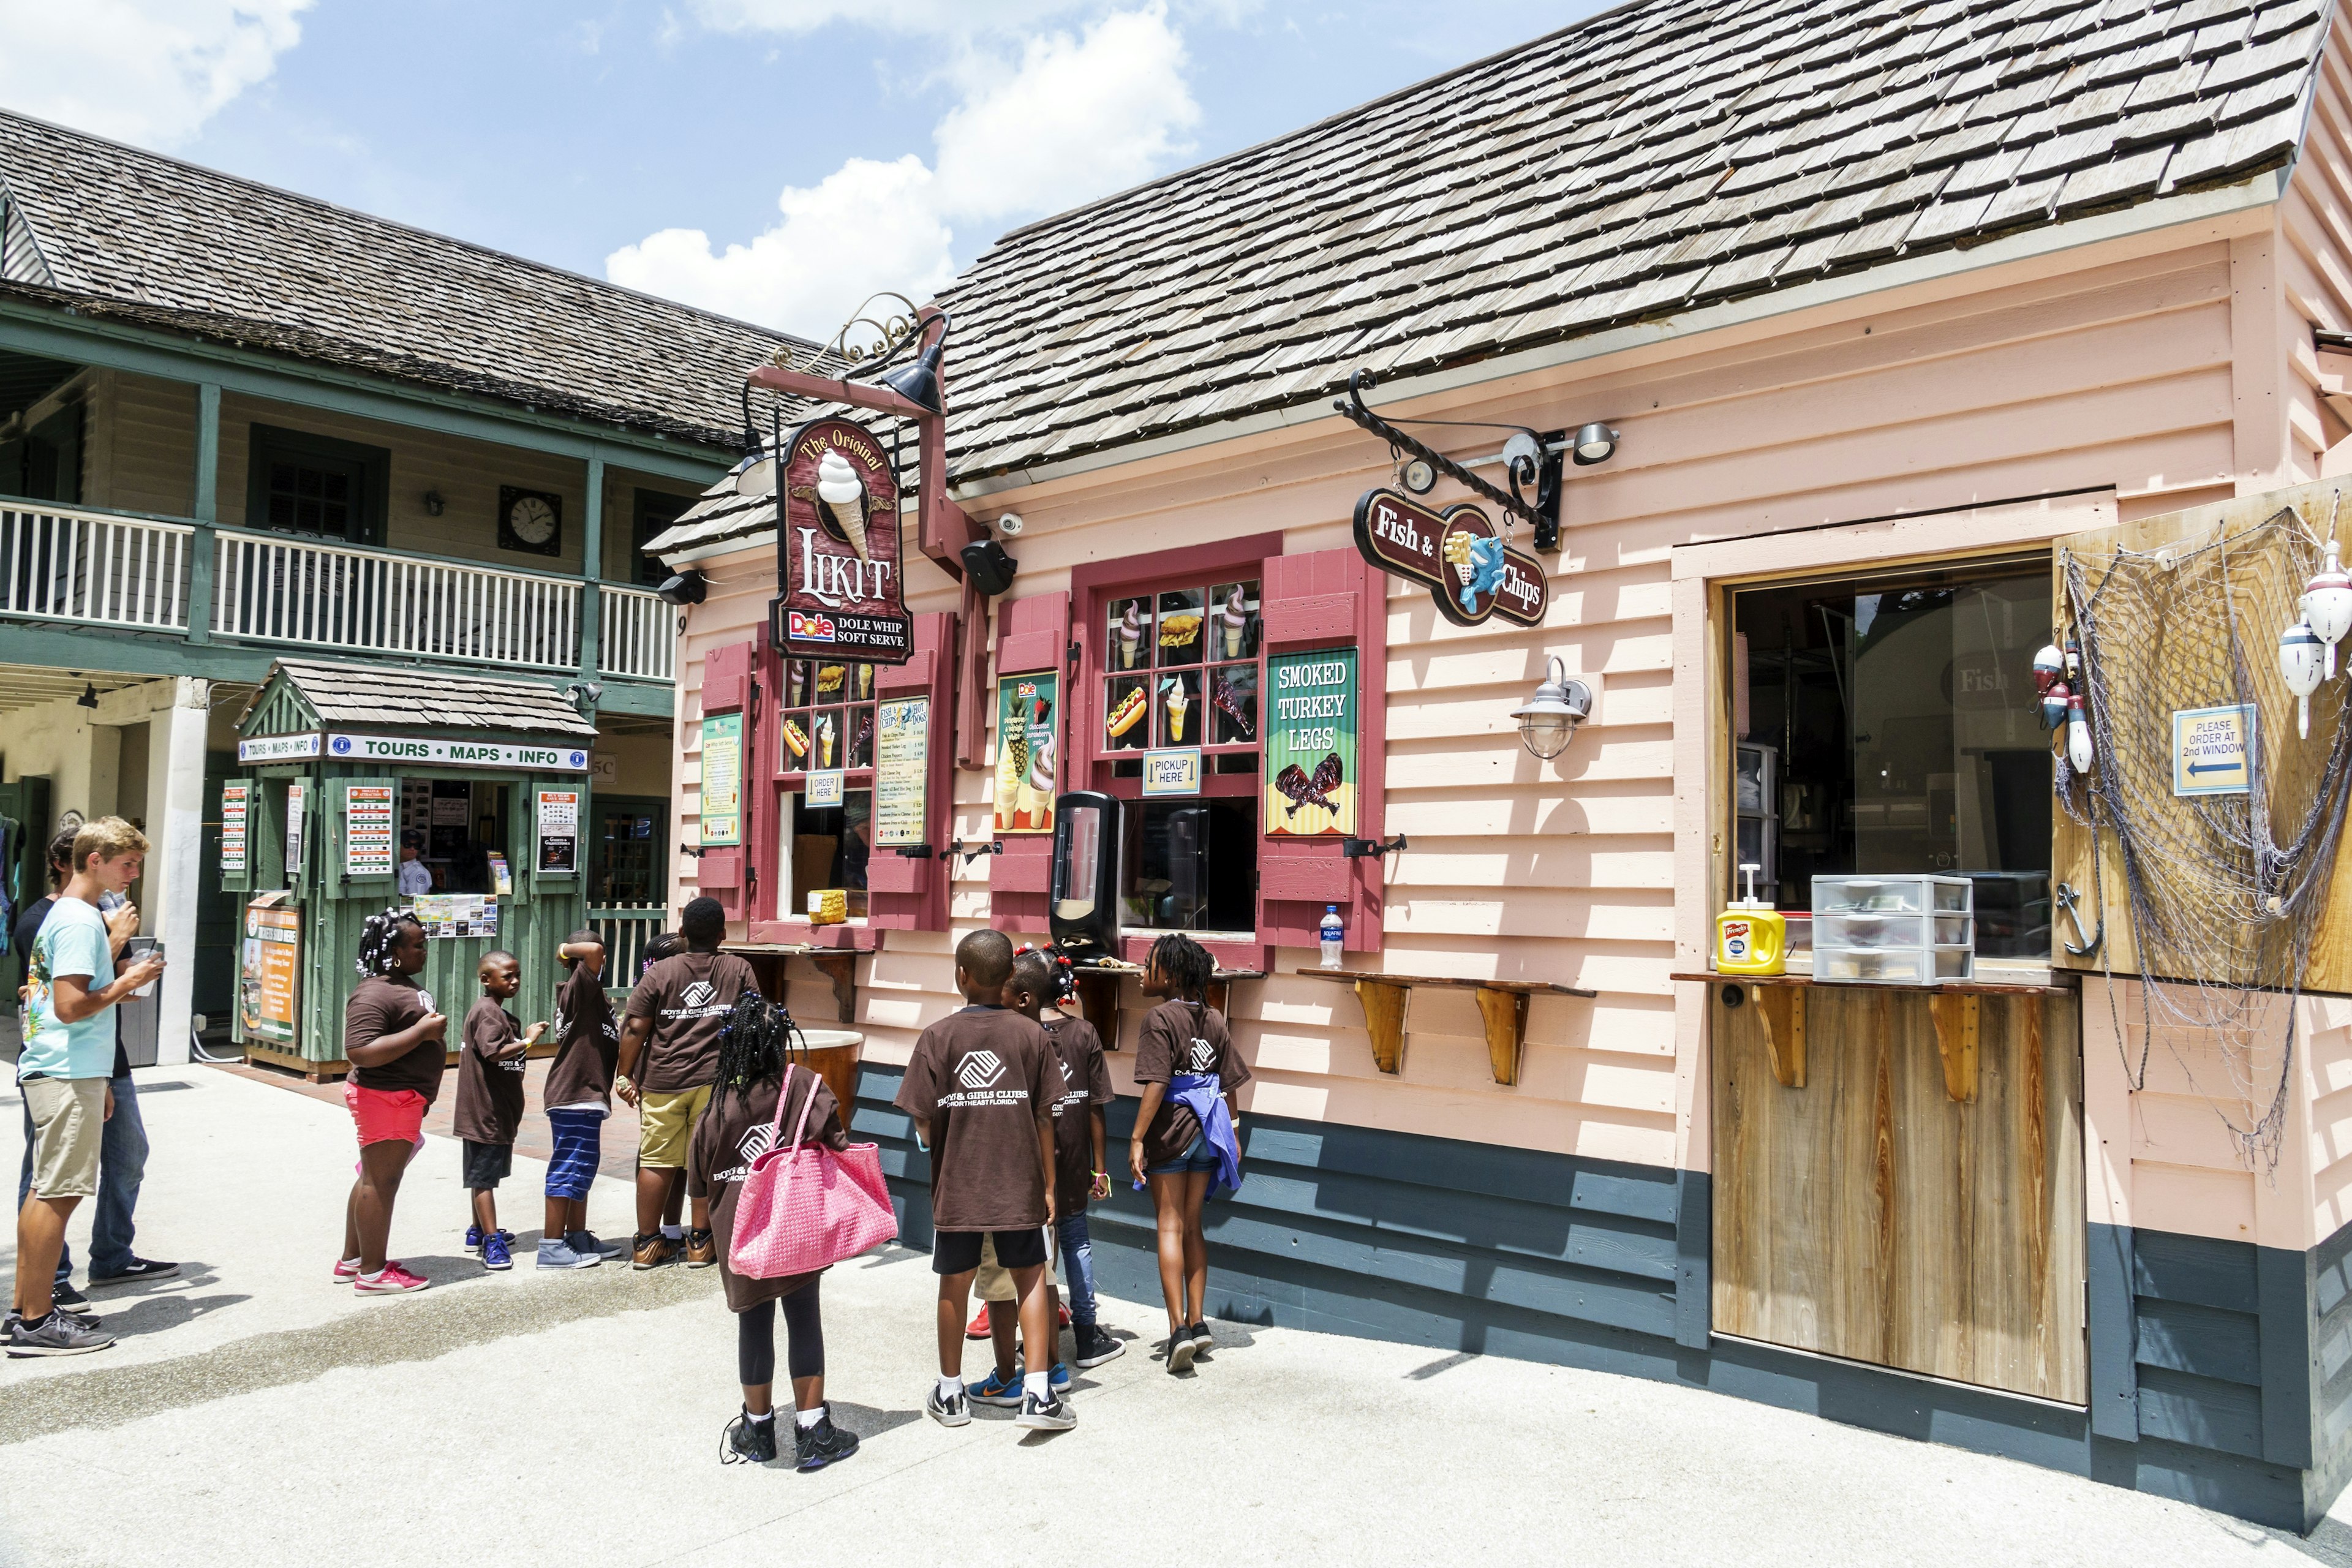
column 238, row 426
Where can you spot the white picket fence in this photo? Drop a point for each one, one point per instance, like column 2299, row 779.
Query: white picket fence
column 90, row 568
column 59, row 564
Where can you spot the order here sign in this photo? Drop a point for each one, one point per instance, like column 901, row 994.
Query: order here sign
column 2213, row 750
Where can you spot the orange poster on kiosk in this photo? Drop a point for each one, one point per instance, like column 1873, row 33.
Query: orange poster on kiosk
column 272, row 962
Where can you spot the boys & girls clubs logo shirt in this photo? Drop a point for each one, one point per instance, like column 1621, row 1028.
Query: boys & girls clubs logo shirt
column 985, row 1079
column 688, row 996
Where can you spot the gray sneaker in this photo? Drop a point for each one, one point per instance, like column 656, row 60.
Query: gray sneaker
column 560, row 1255
column 60, row 1333
column 589, row 1241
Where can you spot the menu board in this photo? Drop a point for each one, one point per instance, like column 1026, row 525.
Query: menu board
column 297, row 795
column 268, row 975
column 1310, row 745
column 902, row 769
column 1024, row 753
column 447, row 915
column 559, row 830
column 722, row 779
column 367, row 830
column 235, row 803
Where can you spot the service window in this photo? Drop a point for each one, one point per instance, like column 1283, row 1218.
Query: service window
column 1178, row 669
column 826, row 725
column 1886, row 724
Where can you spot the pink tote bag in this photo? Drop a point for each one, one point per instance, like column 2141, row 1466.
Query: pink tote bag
column 804, row 1207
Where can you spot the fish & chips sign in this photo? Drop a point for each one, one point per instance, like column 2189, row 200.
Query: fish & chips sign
column 1457, row 554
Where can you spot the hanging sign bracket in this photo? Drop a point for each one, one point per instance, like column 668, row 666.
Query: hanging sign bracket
column 1352, row 405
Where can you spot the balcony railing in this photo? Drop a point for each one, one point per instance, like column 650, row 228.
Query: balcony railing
column 89, row 568
column 92, row 569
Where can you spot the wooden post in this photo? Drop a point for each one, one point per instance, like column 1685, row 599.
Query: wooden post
column 592, row 570
column 205, row 507
column 1098, row 1005
column 1505, row 1013
column 1384, row 1010
column 1955, row 1039
column 1781, row 1010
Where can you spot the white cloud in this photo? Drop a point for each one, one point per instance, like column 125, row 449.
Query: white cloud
column 144, row 71
column 1074, row 119
column 950, row 18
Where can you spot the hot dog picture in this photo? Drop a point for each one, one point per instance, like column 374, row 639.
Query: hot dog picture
column 1130, row 713
column 795, row 739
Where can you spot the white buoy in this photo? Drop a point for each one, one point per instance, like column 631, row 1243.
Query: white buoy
column 2078, row 735
column 2300, row 658
column 2327, row 605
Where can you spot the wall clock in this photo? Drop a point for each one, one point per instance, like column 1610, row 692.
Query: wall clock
column 530, row 520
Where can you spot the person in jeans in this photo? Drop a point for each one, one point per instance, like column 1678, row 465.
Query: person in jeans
column 123, row 1152
column 63, row 1076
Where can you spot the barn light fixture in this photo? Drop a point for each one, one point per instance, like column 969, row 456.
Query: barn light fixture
column 1548, row 720
column 919, row 383
column 1595, row 443
column 688, row 587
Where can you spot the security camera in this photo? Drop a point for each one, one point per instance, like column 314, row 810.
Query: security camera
column 1010, row 525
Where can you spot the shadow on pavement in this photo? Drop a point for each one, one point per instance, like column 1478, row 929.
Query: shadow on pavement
column 869, row 1423
column 153, row 1314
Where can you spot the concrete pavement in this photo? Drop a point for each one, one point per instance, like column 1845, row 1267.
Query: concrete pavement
column 256, row 1415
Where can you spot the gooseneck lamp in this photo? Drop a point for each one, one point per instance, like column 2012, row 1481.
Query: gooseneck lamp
column 1548, row 720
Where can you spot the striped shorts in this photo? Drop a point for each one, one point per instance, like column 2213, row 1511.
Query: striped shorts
column 578, row 1137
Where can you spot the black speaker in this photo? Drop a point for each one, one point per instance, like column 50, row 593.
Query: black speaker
column 990, row 569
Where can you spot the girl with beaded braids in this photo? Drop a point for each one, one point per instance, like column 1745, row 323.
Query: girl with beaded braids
column 754, row 1066
column 1187, row 1138
column 392, row 1038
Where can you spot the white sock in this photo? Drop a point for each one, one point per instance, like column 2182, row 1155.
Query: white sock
column 805, row 1419
column 674, row 1232
column 1038, row 1384
column 351, row 1263
column 377, row 1275
column 949, row 1387
column 761, row 1420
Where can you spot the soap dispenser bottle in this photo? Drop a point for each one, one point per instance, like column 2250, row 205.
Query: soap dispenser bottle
column 1749, row 937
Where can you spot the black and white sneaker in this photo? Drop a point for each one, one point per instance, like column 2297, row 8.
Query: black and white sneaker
column 951, row 1412
column 137, row 1268
column 1179, row 1349
column 60, row 1333
column 1050, row 1413
column 814, row 1447
column 1203, row 1343
column 749, row 1442
column 1094, row 1346
column 63, row 1294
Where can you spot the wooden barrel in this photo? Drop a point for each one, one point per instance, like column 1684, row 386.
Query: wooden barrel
column 834, row 1053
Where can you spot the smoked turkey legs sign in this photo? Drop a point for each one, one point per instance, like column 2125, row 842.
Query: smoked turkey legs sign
column 1469, row 570
column 839, row 595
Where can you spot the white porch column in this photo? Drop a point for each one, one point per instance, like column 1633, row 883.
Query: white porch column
column 176, row 825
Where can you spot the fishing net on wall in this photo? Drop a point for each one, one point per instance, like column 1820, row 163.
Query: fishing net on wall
column 2224, row 892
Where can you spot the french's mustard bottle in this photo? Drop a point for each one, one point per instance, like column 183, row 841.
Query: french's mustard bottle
column 1749, row 937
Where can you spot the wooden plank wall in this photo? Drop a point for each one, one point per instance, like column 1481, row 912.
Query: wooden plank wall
column 1869, row 1216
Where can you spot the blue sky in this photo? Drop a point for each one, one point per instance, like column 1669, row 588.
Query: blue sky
column 838, row 145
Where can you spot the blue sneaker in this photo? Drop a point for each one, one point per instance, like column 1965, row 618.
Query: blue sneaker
column 474, row 1238
column 1059, row 1378
column 996, row 1389
column 555, row 1253
column 495, row 1254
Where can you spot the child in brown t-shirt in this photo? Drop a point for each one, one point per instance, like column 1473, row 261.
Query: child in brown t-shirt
column 669, row 1055
column 981, row 1089
column 489, row 1102
column 577, row 1097
column 1183, row 1037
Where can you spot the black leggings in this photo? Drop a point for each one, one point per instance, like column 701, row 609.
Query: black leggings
column 755, row 1339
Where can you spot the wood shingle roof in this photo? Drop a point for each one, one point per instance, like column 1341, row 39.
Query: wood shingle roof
column 381, row 696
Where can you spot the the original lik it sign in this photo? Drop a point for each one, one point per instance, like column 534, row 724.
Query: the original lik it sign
column 1468, row 569
column 455, row 753
column 277, row 748
column 2213, row 750
column 838, row 593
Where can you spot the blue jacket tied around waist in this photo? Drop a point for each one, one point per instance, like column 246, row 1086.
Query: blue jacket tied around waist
column 1203, row 1095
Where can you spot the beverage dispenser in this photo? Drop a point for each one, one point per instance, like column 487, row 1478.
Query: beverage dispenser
column 1084, row 915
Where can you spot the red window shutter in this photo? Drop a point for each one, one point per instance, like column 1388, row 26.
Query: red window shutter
column 1330, row 598
column 906, row 894
column 1032, row 633
column 725, row 873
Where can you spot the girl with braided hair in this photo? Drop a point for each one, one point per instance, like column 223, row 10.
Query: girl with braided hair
column 755, row 1067
column 393, row 1037
column 1185, row 1130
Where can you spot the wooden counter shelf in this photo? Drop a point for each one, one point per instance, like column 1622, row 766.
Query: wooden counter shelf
column 1502, row 1005
column 1098, row 986
column 1955, row 1006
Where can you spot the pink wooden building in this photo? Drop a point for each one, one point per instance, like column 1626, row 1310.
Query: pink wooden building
column 1880, row 302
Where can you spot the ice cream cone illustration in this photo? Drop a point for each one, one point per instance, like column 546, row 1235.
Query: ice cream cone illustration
column 1177, row 703
column 1130, row 635
column 825, row 741
column 843, row 496
column 865, row 681
column 1041, row 779
column 1236, row 622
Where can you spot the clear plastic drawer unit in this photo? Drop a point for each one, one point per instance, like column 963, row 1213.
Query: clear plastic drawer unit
column 1893, row 931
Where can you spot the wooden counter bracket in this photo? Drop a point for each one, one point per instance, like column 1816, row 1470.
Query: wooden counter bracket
column 1098, row 993
column 1502, row 1006
column 838, row 964
column 1956, row 1008
column 1781, row 1009
column 1955, row 1039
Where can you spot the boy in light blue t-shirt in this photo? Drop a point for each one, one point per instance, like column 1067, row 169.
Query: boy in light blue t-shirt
column 67, row 1059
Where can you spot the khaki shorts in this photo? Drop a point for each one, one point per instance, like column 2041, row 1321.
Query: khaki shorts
column 69, row 1128
column 666, row 1126
column 994, row 1282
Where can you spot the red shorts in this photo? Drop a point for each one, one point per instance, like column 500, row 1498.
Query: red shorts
column 385, row 1115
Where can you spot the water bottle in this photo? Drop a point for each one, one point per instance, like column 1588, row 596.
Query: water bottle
column 1335, row 932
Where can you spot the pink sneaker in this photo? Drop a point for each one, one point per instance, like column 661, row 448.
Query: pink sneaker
column 393, row 1281
column 346, row 1270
